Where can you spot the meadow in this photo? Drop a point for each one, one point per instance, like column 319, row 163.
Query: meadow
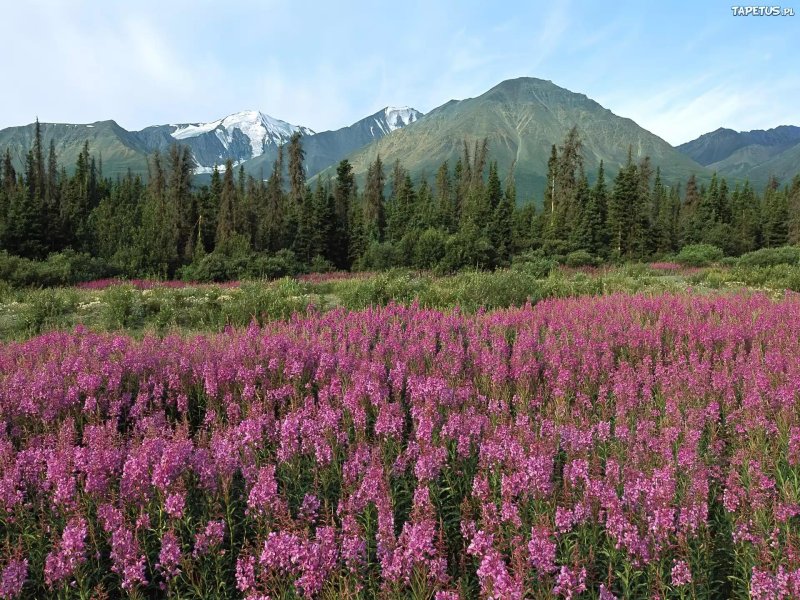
column 631, row 432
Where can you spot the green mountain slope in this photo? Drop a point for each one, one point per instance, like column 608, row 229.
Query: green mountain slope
column 522, row 118
column 755, row 155
column 118, row 148
column 783, row 166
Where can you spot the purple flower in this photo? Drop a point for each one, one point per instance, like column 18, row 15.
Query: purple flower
column 245, row 572
column 128, row 562
column 169, row 558
column 175, row 504
column 542, row 550
column 681, row 574
column 210, row 537
column 570, row 582
column 70, row 552
column 13, row 578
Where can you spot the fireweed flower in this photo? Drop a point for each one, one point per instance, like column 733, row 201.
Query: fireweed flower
column 636, row 416
column 681, row 575
column 62, row 561
column 169, row 558
column 211, row 536
column 175, row 504
column 13, row 578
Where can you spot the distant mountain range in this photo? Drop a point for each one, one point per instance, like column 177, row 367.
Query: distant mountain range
column 756, row 154
column 521, row 118
column 249, row 138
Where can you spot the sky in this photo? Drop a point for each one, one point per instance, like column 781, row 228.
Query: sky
column 679, row 68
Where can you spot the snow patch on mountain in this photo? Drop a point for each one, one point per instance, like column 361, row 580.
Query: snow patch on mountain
column 397, row 117
column 261, row 130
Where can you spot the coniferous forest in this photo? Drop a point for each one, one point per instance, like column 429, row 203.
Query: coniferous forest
column 467, row 215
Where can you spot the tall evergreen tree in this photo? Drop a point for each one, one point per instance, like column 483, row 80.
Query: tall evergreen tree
column 273, row 223
column 297, row 188
column 775, row 216
column 374, row 220
column 502, row 223
column 227, row 219
column 444, row 197
column 159, row 232
column 346, row 204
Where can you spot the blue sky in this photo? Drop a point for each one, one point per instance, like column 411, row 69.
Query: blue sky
column 678, row 68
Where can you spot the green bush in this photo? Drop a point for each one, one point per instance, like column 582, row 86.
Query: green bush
column 430, row 249
column 124, row 307
column 379, row 256
column 533, row 263
column 467, row 249
column 770, row 257
column 320, row 264
column 48, row 309
column 699, row 255
column 581, row 258
column 59, row 269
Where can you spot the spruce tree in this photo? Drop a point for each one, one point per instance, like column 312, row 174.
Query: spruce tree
column 374, row 219
column 227, row 218
column 346, row 204
column 445, row 205
column 502, row 223
column 159, row 232
column 273, row 223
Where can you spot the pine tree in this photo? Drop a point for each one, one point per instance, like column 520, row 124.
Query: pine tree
column 745, row 218
column 775, row 216
column 227, row 218
column 619, row 217
column 346, row 204
column 179, row 194
column 689, row 207
column 501, row 229
column 159, row 232
column 445, row 205
column 297, row 187
column 273, row 223
column 304, row 240
column 323, row 221
column 641, row 240
column 794, row 211
column 52, row 202
column 374, row 219
column 588, row 235
column 424, row 216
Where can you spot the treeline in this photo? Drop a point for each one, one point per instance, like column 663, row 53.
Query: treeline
column 239, row 226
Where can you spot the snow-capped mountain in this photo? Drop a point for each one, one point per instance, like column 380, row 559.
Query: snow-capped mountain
column 241, row 136
column 250, row 138
column 260, row 130
column 395, row 117
column 327, row 148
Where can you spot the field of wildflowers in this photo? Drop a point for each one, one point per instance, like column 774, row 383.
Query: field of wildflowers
column 624, row 446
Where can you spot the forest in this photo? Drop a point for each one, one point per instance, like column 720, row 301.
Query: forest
column 237, row 226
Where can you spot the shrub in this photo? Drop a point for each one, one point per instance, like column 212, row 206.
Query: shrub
column 46, row 309
column 123, row 307
column 534, row 264
column 581, row 258
column 699, row 255
column 430, row 249
column 768, row 257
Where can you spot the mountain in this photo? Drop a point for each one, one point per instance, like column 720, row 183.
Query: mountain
column 327, row 148
column 250, row 138
column 522, row 118
column 755, row 155
column 241, row 137
column 119, row 149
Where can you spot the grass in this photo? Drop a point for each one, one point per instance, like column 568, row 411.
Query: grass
column 209, row 308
